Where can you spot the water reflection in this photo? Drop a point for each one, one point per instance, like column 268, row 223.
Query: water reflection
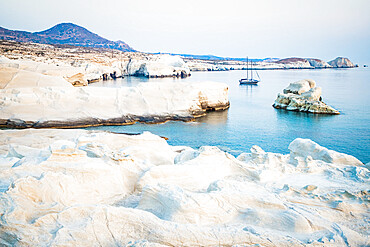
column 248, row 88
column 132, row 81
column 215, row 118
column 283, row 115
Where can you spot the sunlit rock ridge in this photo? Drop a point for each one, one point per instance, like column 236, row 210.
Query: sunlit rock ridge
column 82, row 188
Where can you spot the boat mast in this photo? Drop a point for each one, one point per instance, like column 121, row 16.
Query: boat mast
column 247, row 68
column 251, row 70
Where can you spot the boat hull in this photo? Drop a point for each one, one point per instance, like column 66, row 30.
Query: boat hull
column 248, row 81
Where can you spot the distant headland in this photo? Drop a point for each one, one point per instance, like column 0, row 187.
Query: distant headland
column 69, row 34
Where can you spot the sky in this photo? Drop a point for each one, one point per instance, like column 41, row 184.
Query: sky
column 322, row 29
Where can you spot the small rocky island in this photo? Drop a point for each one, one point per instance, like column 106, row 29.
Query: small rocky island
column 303, row 96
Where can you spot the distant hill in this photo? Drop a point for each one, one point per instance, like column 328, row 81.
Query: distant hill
column 292, row 60
column 342, row 62
column 212, row 57
column 64, row 33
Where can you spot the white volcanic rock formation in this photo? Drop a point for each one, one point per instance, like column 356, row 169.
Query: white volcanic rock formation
column 158, row 66
column 318, row 63
column 40, row 94
column 303, row 96
column 11, row 77
column 83, row 188
column 287, row 63
column 341, row 62
column 86, row 106
column 78, row 75
column 83, row 71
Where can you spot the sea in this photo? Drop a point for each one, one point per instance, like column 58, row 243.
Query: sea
column 251, row 119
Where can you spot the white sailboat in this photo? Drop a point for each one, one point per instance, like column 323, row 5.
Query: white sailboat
column 248, row 80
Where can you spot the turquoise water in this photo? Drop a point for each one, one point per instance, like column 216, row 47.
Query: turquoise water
column 251, row 119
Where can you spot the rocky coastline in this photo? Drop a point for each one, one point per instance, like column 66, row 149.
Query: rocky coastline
column 280, row 64
column 83, row 65
column 38, row 88
column 68, row 107
column 78, row 187
column 64, row 186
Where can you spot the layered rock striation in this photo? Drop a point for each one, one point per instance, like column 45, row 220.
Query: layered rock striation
column 83, row 188
column 303, row 96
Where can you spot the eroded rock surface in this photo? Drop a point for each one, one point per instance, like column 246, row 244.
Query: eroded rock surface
column 38, row 107
column 82, row 65
column 83, row 188
column 11, row 77
column 158, row 66
column 303, row 96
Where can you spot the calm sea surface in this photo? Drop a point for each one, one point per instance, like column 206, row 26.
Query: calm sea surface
column 251, row 119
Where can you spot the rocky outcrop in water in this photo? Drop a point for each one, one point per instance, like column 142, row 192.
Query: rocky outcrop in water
column 341, row 62
column 303, row 96
column 158, row 66
column 84, row 188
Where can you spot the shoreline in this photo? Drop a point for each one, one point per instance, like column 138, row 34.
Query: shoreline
column 256, row 68
column 95, row 122
column 82, row 65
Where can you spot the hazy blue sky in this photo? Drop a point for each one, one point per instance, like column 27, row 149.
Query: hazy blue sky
column 237, row 28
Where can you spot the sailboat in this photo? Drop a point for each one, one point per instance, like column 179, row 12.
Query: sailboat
column 249, row 81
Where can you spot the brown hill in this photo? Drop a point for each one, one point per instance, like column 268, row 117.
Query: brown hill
column 65, row 33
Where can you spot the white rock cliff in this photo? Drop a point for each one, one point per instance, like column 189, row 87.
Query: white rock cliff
column 90, row 106
column 158, row 66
